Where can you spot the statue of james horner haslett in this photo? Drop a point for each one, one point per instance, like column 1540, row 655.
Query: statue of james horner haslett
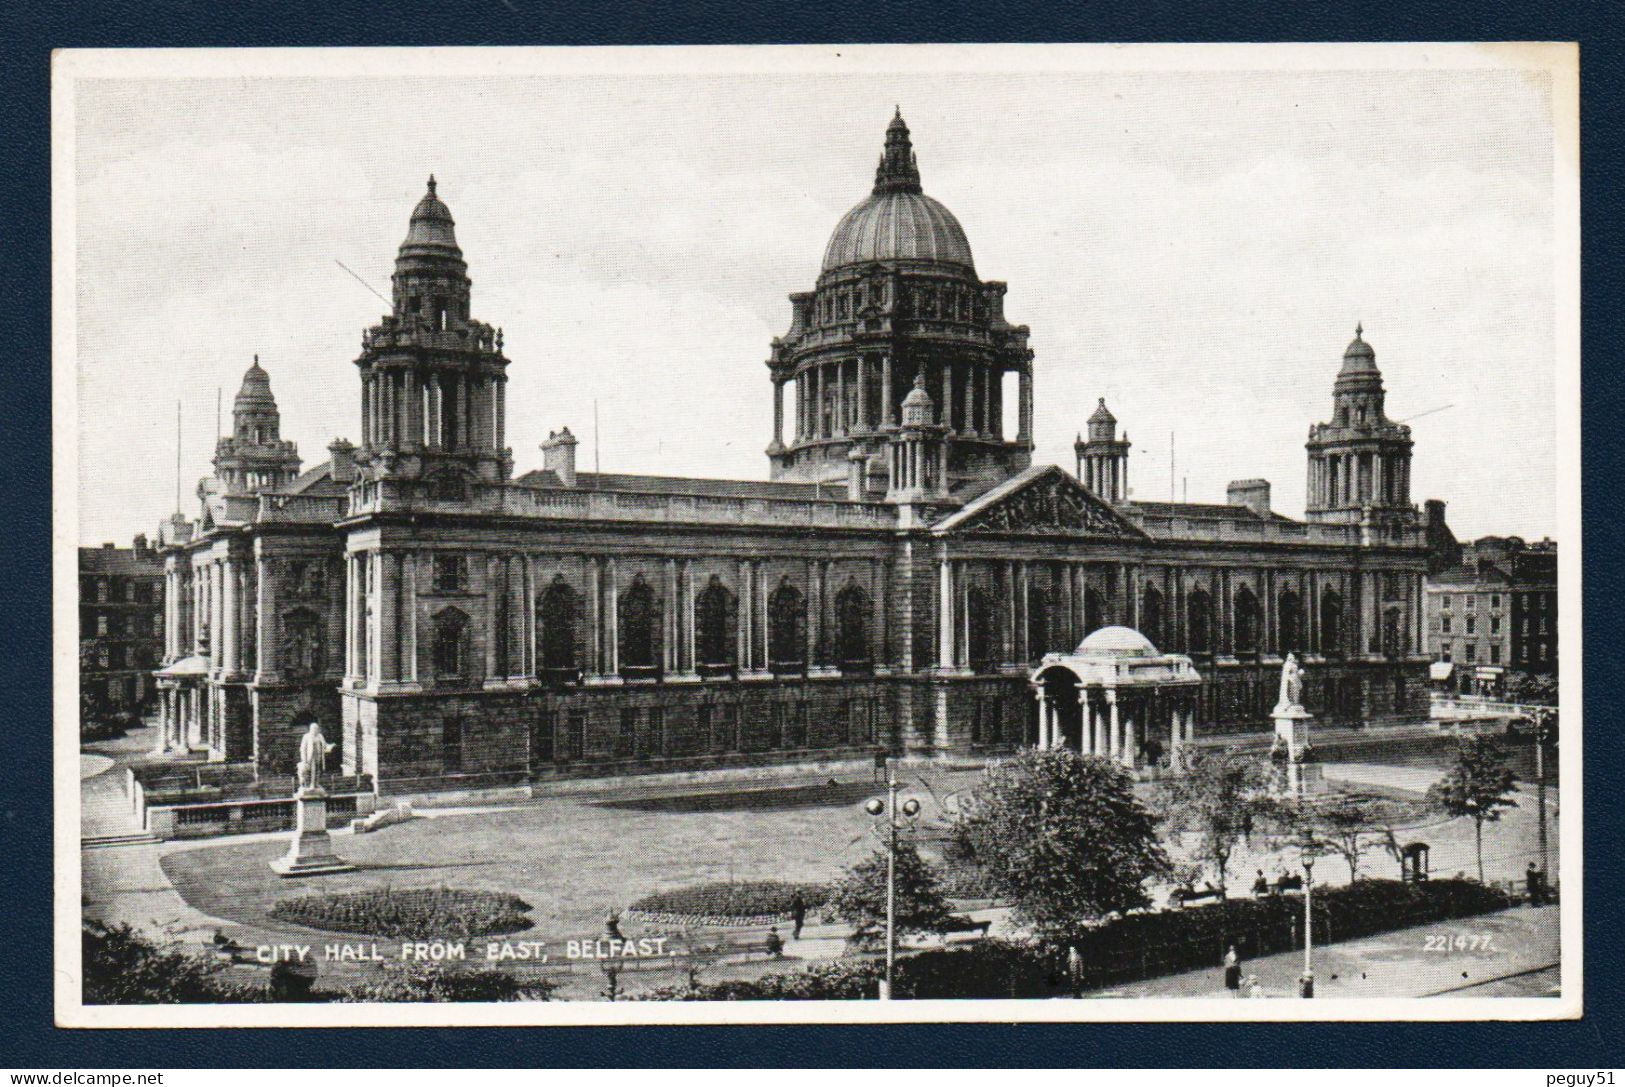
column 1291, row 683
column 313, row 749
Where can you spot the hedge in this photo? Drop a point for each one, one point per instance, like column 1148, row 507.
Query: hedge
column 759, row 903
column 1140, row 945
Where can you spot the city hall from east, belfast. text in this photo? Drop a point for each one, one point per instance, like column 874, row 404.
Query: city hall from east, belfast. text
column 894, row 584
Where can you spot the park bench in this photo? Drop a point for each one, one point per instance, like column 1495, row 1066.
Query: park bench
column 960, row 923
column 1184, row 896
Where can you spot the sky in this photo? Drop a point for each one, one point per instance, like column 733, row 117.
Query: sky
column 1196, row 247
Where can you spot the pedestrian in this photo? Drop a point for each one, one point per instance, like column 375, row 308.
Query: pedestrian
column 798, row 913
column 775, row 943
column 1261, row 885
column 1232, row 971
column 1535, row 885
column 1254, row 990
column 612, row 925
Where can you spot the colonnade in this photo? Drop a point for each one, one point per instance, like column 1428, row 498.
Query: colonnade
column 1350, row 479
column 403, row 408
column 837, row 398
column 1117, row 722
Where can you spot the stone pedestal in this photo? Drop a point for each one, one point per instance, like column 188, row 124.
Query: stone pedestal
column 311, row 852
column 1303, row 771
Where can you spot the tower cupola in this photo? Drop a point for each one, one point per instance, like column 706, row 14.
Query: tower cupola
column 1103, row 459
column 1360, row 462
column 253, row 457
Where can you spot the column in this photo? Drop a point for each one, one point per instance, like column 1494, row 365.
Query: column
column 350, row 647
column 1378, row 494
column 1024, row 654
column 863, row 393
column 970, row 400
column 840, row 398
column 945, row 624
column 742, row 624
column 947, row 417
column 409, row 617
column 613, row 627
column 265, row 639
column 231, row 613
column 595, row 618
column 1131, row 736
column 217, row 616
column 778, row 412
column 389, row 572
column 886, row 417
column 1025, row 427
column 764, row 661
column 1043, row 719
column 1116, row 724
column 819, row 429
column 690, row 666
column 670, row 650
column 366, row 411
column 493, row 614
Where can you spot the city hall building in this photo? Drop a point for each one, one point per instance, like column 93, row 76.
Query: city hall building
column 892, row 583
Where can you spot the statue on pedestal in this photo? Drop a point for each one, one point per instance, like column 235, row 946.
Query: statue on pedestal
column 1291, row 683
column 313, row 750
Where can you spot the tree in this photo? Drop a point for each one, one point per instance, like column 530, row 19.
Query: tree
column 1063, row 839
column 1478, row 785
column 1349, row 826
column 921, row 905
column 1530, row 688
column 1222, row 796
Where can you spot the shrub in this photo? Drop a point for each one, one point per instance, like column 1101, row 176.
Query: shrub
column 759, row 903
column 1138, row 945
column 123, row 967
column 426, row 982
column 413, row 913
column 919, row 902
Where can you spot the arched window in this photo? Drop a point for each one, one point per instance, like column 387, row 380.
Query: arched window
column 640, row 627
column 556, row 616
column 450, row 645
column 302, row 654
column 1331, row 624
column 983, row 650
column 1151, row 615
column 1391, row 645
column 715, row 616
column 1246, row 621
column 1200, row 609
column 1291, row 620
column 1094, row 611
column 786, row 628
column 852, row 628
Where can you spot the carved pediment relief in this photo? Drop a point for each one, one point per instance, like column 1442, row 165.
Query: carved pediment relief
column 1053, row 504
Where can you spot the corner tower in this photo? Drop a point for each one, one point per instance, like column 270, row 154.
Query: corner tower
column 898, row 305
column 1360, row 462
column 253, row 457
column 433, row 379
column 1103, row 459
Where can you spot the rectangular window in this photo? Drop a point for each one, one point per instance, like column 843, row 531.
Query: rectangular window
column 450, row 573
column 1444, row 601
column 1495, row 624
column 1444, row 624
column 626, row 742
column 1495, row 654
column 1446, row 651
column 543, row 745
column 451, row 745
column 1495, row 600
column 657, row 731
column 115, row 657
column 101, row 625
column 1472, row 652
column 1543, row 651
column 1543, row 624
column 101, row 590
column 575, row 742
column 1471, row 600
column 1472, row 624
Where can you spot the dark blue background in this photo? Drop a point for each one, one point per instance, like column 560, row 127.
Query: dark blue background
column 29, row 29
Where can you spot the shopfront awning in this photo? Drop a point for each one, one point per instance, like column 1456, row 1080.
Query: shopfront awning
column 1440, row 670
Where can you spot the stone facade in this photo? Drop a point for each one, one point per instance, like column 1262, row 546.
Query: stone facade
column 121, row 634
column 457, row 628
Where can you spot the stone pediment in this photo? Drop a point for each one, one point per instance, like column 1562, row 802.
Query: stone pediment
column 1041, row 502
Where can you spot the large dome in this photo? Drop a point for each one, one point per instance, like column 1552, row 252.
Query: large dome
column 898, row 221
column 1116, row 642
column 898, row 226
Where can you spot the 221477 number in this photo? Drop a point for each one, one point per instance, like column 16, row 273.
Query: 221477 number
column 1446, row 942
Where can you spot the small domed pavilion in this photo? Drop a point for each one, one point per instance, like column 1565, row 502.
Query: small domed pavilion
column 1117, row 697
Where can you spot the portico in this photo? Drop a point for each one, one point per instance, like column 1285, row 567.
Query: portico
column 1116, row 697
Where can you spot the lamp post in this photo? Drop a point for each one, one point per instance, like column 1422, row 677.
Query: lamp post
column 888, row 807
column 1306, row 983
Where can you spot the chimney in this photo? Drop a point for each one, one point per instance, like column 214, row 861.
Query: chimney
column 343, row 462
column 140, row 545
column 108, row 546
column 1434, row 512
column 559, row 456
column 1252, row 493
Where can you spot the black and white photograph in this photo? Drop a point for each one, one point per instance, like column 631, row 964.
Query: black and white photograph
column 816, row 535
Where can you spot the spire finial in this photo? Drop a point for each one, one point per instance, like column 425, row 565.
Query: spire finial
column 431, row 184
column 256, row 359
column 897, row 113
column 919, row 380
column 1103, row 401
column 1359, row 329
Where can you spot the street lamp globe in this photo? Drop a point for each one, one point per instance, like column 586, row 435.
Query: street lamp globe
column 911, row 807
column 875, row 806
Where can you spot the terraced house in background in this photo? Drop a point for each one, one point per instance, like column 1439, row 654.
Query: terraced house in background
column 892, row 584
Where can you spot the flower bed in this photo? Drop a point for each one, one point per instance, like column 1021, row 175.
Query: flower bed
column 416, row 913
column 759, row 903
